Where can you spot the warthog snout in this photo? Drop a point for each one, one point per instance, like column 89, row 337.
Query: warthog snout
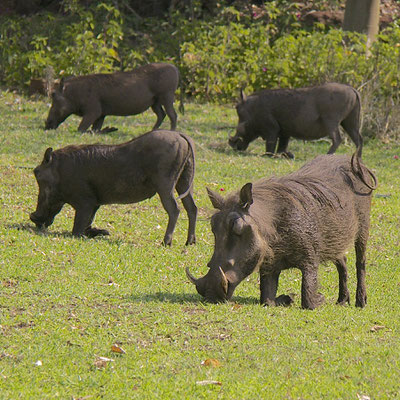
column 50, row 124
column 214, row 286
column 237, row 143
column 38, row 221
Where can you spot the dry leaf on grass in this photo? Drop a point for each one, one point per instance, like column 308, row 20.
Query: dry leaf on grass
column 102, row 362
column 115, row 348
column 211, row 362
column 208, row 382
column 376, row 328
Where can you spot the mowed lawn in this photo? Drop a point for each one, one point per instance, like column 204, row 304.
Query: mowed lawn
column 65, row 302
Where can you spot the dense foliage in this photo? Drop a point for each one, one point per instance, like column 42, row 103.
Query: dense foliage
column 263, row 47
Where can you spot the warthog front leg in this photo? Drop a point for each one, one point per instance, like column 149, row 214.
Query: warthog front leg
column 268, row 289
column 84, row 216
column 99, row 123
column 87, row 120
column 310, row 298
column 283, row 143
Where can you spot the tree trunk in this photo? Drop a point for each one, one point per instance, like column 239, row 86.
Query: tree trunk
column 362, row 16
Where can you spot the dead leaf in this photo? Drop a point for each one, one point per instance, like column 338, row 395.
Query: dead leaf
column 208, row 382
column 115, row 348
column 363, row 397
column 9, row 283
column 236, row 307
column 376, row 328
column 102, row 362
column 211, row 362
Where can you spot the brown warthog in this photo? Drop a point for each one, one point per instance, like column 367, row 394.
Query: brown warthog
column 88, row 176
column 300, row 220
column 122, row 93
column 306, row 113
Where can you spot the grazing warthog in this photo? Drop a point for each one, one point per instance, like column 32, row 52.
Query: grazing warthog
column 297, row 221
column 306, row 113
column 88, row 176
column 122, row 93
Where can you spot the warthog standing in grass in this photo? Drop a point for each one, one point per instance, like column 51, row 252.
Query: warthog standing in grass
column 297, row 221
column 88, row 176
column 306, row 113
column 122, row 93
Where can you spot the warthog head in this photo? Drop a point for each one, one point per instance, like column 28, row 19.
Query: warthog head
column 239, row 247
column 49, row 204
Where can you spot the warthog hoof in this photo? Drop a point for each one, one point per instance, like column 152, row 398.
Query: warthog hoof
column 288, row 154
column 93, row 232
column 190, row 241
column 285, row 154
column 107, row 129
column 284, row 300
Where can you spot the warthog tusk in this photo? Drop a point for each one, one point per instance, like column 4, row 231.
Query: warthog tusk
column 224, row 282
column 190, row 276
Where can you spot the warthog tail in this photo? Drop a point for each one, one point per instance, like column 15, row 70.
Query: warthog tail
column 359, row 171
column 191, row 153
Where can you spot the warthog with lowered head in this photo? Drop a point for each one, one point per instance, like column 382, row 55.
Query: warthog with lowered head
column 88, row 176
column 306, row 113
column 122, row 93
column 300, row 220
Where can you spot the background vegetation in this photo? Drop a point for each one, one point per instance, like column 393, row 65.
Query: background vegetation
column 218, row 52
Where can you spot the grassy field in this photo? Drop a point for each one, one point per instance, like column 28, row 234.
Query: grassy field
column 64, row 302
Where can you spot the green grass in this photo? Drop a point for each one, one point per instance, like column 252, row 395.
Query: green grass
column 66, row 301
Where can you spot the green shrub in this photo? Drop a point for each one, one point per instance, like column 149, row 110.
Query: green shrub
column 83, row 41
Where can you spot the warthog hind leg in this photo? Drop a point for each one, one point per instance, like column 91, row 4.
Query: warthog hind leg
column 344, row 297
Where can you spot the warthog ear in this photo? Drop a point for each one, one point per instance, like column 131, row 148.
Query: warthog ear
column 48, row 154
column 246, row 196
column 243, row 96
column 216, row 199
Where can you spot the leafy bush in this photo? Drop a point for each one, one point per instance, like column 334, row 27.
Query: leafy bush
column 83, row 41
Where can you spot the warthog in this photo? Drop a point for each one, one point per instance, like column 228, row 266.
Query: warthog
column 307, row 113
column 88, row 176
column 122, row 93
column 300, row 220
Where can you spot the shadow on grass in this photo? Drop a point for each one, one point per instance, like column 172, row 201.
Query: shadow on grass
column 32, row 229
column 64, row 234
column 183, row 298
